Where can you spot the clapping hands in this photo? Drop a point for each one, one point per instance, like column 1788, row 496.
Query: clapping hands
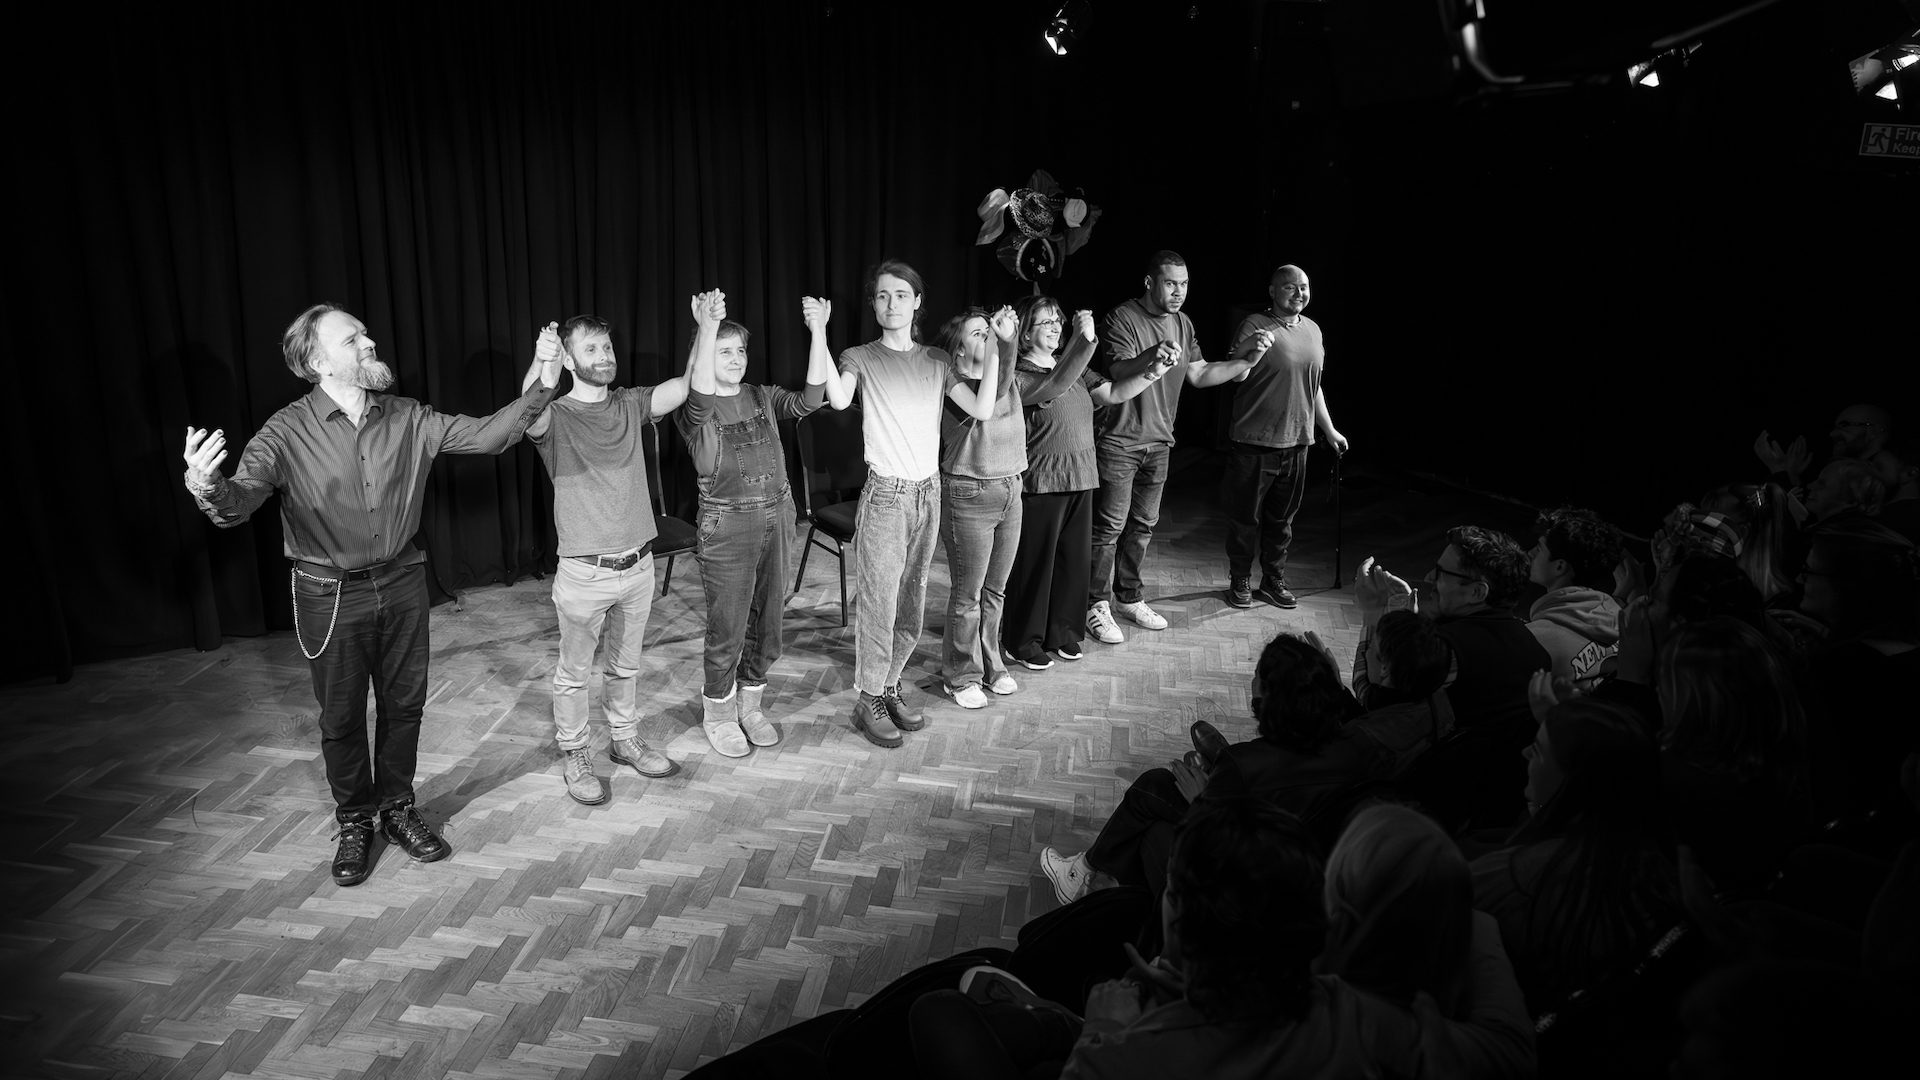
column 1793, row 460
column 1378, row 591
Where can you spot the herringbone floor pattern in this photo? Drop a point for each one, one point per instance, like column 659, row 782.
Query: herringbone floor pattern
column 168, row 910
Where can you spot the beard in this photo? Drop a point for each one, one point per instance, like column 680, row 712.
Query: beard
column 373, row 374
column 595, row 374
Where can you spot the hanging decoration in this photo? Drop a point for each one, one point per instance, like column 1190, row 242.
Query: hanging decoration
column 1048, row 224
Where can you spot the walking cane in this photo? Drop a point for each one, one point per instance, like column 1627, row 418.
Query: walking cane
column 1333, row 492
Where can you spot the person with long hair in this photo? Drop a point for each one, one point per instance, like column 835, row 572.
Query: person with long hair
column 1588, row 880
column 901, row 382
column 1732, row 749
column 1861, row 584
column 732, row 430
column 983, row 455
column 1047, row 586
column 1305, row 755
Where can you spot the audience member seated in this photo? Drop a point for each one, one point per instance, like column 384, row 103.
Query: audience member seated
column 1900, row 472
column 1234, row 995
column 1846, row 487
column 1577, row 621
column 1406, row 660
column 1770, row 549
column 1473, row 777
column 1862, row 586
column 1732, row 751
column 1587, row 884
column 1306, row 755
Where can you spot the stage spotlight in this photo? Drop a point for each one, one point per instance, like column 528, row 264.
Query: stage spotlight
column 1643, row 75
column 1069, row 25
column 1891, row 92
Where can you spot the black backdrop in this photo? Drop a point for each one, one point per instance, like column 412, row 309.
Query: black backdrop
column 1574, row 295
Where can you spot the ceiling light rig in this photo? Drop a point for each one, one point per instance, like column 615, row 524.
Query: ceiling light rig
column 1069, row 26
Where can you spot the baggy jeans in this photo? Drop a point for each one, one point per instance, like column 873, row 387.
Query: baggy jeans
column 894, row 536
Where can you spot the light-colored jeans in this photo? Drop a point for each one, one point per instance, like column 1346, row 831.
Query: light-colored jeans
column 894, row 537
column 980, row 523
column 588, row 599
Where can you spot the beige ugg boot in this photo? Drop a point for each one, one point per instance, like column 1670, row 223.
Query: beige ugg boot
column 760, row 732
column 721, row 719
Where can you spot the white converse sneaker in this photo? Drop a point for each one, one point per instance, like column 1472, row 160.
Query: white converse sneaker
column 1004, row 685
column 1070, row 876
column 1142, row 615
column 1101, row 625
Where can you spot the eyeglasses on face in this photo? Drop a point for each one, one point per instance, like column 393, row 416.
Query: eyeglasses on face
column 1051, row 320
column 1434, row 574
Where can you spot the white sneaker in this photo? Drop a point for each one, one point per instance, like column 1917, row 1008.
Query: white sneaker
column 1101, row 625
column 1070, row 876
column 1004, row 685
column 1143, row 615
column 969, row 696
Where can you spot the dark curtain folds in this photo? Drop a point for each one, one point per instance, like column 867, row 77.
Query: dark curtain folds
column 458, row 177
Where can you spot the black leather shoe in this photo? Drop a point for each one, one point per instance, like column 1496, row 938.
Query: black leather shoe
column 1240, row 591
column 405, row 829
column 1277, row 594
column 903, row 718
column 1208, row 742
column 353, row 859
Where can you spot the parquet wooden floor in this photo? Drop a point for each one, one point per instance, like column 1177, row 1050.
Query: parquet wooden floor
column 167, row 909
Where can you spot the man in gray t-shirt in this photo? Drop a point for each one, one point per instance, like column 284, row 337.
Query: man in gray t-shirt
column 590, row 442
column 1276, row 360
column 1134, row 440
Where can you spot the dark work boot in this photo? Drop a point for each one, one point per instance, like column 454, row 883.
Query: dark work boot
column 405, row 829
column 353, row 859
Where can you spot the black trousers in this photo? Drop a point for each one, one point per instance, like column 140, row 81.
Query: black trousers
column 1134, row 843
column 1047, row 591
column 374, row 632
column 1261, row 491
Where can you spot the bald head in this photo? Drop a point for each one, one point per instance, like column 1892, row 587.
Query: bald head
column 1860, row 431
column 1289, row 292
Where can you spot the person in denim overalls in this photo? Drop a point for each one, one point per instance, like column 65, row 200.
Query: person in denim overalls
column 746, row 514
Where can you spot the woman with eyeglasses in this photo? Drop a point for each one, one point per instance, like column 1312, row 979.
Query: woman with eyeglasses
column 1046, row 592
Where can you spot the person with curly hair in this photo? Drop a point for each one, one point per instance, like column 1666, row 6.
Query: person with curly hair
column 1577, row 620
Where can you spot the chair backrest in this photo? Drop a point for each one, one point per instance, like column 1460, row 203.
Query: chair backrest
column 651, row 445
column 833, row 459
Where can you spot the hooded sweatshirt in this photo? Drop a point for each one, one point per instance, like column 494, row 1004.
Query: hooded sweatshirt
column 1580, row 629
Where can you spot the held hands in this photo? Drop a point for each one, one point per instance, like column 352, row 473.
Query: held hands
column 709, row 308
column 1166, row 354
column 1083, row 325
column 1005, row 323
column 815, row 313
column 1260, row 342
column 546, row 350
column 203, row 455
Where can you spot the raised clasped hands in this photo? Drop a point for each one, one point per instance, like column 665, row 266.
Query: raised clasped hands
column 1005, row 323
column 815, row 312
column 1083, row 325
column 546, row 348
column 709, row 308
column 204, row 454
column 1262, row 342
